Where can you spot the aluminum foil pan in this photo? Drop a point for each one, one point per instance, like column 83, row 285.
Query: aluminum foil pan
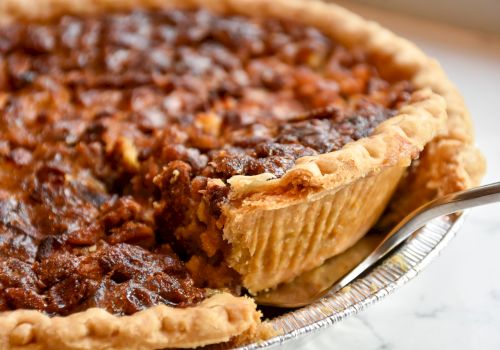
column 394, row 271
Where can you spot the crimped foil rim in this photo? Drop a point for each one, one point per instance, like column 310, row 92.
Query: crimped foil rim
column 394, row 271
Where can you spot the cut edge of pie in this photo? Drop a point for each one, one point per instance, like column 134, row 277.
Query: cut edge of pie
column 334, row 197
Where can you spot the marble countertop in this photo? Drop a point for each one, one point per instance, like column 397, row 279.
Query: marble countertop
column 455, row 302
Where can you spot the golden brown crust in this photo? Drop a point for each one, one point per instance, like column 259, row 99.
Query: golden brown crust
column 449, row 163
column 307, row 285
column 215, row 320
column 397, row 141
column 274, row 241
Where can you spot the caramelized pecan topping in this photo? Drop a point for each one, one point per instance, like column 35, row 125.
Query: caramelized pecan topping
column 114, row 128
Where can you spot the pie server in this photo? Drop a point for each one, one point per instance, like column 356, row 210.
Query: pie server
column 445, row 205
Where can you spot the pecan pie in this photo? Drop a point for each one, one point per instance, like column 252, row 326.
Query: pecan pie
column 161, row 159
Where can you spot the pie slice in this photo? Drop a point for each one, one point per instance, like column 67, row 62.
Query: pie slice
column 162, row 160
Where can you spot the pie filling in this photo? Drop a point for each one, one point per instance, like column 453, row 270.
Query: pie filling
column 114, row 128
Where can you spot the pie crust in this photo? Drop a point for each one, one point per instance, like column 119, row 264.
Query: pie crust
column 279, row 228
column 215, row 320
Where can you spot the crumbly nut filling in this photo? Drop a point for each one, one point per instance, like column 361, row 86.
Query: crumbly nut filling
column 114, row 128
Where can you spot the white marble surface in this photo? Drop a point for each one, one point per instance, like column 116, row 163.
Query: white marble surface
column 455, row 302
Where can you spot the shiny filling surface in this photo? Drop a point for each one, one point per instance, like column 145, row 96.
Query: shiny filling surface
column 114, row 128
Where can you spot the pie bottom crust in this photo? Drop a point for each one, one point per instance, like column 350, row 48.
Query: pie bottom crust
column 217, row 319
